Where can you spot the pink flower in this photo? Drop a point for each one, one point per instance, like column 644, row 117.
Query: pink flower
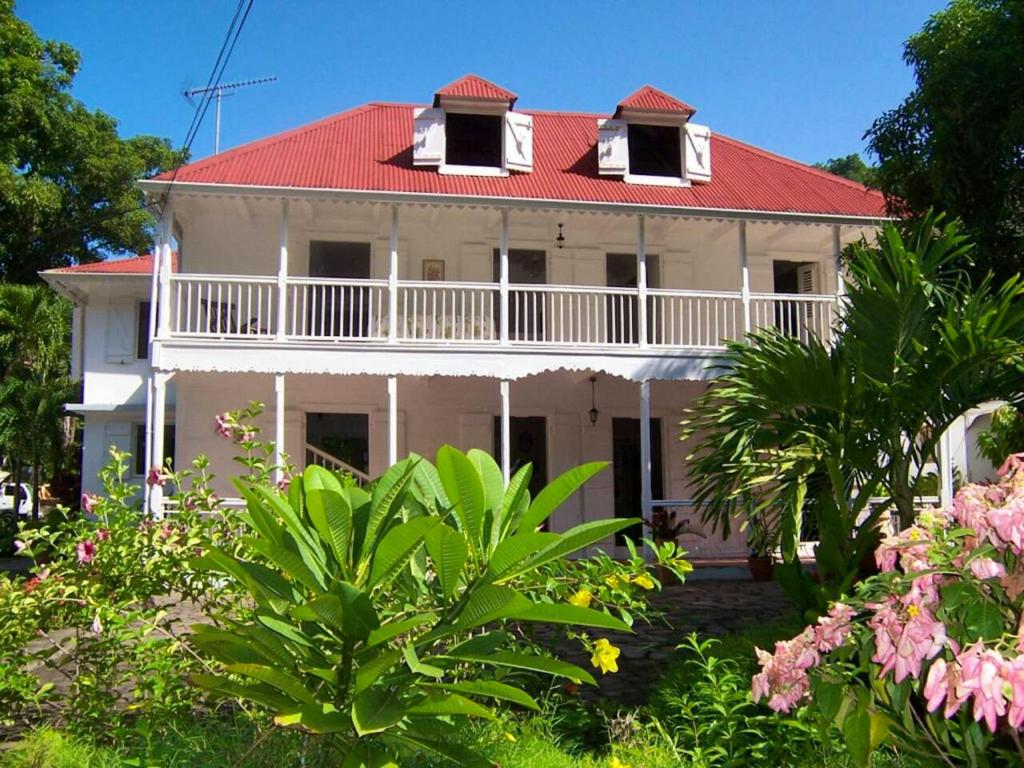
column 941, row 685
column 1013, row 464
column 986, row 568
column 97, row 625
column 1013, row 673
column 834, row 628
column 783, row 679
column 223, row 422
column 87, row 503
column 166, row 531
column 86, row 552
column 156, row 477
column 19, row 545
column 887, row 554
column 103, row 535
column 903, row 643
column 283, row 483
column 981, row 678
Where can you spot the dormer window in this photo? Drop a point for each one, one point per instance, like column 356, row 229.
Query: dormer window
column 650, row 140
column 473, row 140
column 654, row 150
column 472, row 131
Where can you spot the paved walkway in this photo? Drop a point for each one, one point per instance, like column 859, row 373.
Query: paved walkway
column 708, row 607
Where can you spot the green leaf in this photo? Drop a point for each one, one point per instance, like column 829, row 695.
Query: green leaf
column 515, row 502
column 515, row 549
column 285, row 683
column 398, row 545
column 227, row 688
column 368, row 755
column 370, row 671
column 453, row 704
column 227, row 647
column 448, row 549
column 394, row 628
column 331, row 515
column 492, row 690
column 556, row 492
column 574, row 539
column 418, row 667
column 465, row 488
column 456, row 753
column 315, row 718
column 347, row 610
column 829, row 698
column 294, row 559
column 857, row 730
column 376, row 709
column 983, row 620
column 385, row 503
column 570, row 614
column 490, row 474
column 490, row 603
column 526, row 661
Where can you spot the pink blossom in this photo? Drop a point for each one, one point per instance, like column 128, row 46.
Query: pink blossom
column 887, row 554
column 982, row 679
column 156, row 477
column 87, row 503
column 86, row 551
column 284, row 483
column 783, row 679
column 223, row 421
column 103, row 535
column 97, row 625
column 986, row 568
column 904, row 639
column 19, row 545
column 942, row 684
column 166, row 531
column 834, row 628
column 1014, row 463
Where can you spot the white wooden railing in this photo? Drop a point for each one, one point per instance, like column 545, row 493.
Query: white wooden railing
column 324, row 459
column 326, row 309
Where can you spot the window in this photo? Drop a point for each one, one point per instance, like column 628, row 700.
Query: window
column 142, row 331
column 140, row 447
column 341, row 436
column 473, row 139
column 654, row 151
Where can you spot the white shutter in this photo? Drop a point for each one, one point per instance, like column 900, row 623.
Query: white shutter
column 697, row 152
column 119, row 435
column 518, row 142
column 806, row 281
column 612, row 147
column 427, row 136
column 121, row 333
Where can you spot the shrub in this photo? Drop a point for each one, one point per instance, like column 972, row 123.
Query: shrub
column 930, row 653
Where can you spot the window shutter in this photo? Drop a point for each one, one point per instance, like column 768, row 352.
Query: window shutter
column 805, row 279
column 518, row 142
column 121, row 333
column 119, row 435
column 697, row 152
column 428, row 136
column 612, row 147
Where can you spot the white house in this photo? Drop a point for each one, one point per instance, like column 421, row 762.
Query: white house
column 554, row 287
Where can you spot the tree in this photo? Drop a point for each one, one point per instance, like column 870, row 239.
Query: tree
column 799, row 429
column 34, row 381
column 956, row 143
column 67, row 180
column 851, row 167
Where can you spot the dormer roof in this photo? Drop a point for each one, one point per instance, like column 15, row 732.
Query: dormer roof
column 473, row 87
column 650, row 99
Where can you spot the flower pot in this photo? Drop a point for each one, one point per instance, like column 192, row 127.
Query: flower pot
column 762, row 568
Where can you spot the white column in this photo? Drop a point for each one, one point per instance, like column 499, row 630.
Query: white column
column 645, row 447
column 393, row 278
column 506, row 437
column 837, row 259
column 641, row 280
column 744, row 277
column 156, row 494
column 149, row 436
column 945, row 458
column 503, row 276
column 392, row 420
column 279, row 407
column 164, row 279
column 282, row 274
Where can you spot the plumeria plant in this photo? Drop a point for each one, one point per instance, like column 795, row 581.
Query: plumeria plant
column 929, row 654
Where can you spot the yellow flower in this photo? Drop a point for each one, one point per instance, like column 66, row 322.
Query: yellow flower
column 913, row 610
column 510, row 737
column 616, row 763
column 582, row 598
column 643, row 580
column 604, row 656
column 613, row 581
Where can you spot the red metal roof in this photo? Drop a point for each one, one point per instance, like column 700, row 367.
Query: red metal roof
column 474, row 87
column 134, row 265
column 370, row 149
column 650, row 99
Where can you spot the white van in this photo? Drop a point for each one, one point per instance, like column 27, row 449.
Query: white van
column 9, row 492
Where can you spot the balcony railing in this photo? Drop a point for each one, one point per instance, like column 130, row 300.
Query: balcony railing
column 464, row 313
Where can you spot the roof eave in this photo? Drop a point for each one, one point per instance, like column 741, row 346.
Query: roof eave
column 583, row 206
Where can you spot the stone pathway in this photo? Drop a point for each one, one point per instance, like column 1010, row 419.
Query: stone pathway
column 707, row 607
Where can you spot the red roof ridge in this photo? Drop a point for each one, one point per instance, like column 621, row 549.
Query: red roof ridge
column 474, row 86
column 130, row 265
column 651, row 99
column 755, row 150
column 211, row 161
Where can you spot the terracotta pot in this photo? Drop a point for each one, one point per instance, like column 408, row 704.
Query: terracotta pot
column 762, row 568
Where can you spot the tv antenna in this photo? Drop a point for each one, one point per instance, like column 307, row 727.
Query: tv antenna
column 219, row 92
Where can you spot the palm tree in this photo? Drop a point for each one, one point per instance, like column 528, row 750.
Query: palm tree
column 797, row 429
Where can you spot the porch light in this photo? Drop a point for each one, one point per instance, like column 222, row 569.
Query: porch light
column 594, row 413
column 560, row 240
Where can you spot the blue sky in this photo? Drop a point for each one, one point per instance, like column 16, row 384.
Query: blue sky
column 801, row 78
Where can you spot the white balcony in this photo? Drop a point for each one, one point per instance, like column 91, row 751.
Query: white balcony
column 481, row 315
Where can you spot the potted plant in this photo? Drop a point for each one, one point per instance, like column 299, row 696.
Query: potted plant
column 761, row 560
column 665, row 525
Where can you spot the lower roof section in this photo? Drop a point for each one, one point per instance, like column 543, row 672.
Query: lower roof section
column 382, row 360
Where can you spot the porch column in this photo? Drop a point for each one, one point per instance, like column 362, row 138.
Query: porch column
column 278, row 427
column 282, row 275
column 156, row 493
column 744, row 278
column 945, row 471
column 503, row 276
column 645, row 448
column 506, row 436
column 149, row 436
column 392, row 420
column 837, row 258
column 641, row 280
column 162, row 232
column 393, row 278
column 164, row 281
